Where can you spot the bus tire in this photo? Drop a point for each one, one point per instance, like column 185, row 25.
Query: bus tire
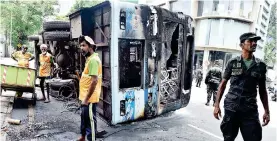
column 57, row 36
column 33, row 38
column 56, row 25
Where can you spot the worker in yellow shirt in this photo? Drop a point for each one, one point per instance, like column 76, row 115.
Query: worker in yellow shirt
column 23, row 57
column 45, row 65
column 90, row 88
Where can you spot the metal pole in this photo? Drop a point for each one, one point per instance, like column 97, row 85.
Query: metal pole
column 11, row 32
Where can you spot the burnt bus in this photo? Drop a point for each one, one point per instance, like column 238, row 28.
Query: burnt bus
column 147, row 58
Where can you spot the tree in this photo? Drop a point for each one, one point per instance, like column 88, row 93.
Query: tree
column 24, row 18
column 131, row 1
column 61, row 18
column 270, row 47
column 79, row 4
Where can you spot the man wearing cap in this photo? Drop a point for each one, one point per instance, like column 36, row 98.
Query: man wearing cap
column 245, row 72
column 212, row 80
column 23, row 57
column 45, row 65
column 90, row 88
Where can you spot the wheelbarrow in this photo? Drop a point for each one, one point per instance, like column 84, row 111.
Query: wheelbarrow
column 18, row 79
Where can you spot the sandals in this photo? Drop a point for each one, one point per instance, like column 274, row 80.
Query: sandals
column 47, row 101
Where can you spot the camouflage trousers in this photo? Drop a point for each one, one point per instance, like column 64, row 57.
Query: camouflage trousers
column 211, row 93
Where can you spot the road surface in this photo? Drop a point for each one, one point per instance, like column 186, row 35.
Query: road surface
column 51, row 121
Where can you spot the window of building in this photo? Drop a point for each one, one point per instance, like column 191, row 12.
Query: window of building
column 215, row 5
column 262, row 33
column 247, row 8
column 258, row 19
column 263, row 26
column 231, row 5
column 200, row 8
column 214, row 32
column 267, row 3
column 265, row 10
column 264, row 18
column 198, row 59
column 241, row 5
column 216, row 56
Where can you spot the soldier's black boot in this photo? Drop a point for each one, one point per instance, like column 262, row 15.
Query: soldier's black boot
column 207, row 104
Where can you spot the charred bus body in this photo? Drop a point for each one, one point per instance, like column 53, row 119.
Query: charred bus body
column 147, row 57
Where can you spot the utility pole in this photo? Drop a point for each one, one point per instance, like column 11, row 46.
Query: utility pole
column 10, row 46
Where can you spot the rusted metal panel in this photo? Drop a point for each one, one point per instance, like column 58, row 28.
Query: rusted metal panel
column 106, row 58
column 105, row 97
column 98, row 19
column 107, row 33
column 106, row 73
column 106, row 18
column 76, row 27
column 107, row 103
column 97, row 36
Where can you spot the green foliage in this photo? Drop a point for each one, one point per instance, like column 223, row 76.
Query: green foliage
column 131, row 1
column 62, row 18
column 270, row 53
column 79, row 4
column 270, row 47
column 26, row 17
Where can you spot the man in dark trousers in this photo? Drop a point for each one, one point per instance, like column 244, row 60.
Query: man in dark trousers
column 245, row 72
column 199, row 77
column 90, row 88
column 212, row 81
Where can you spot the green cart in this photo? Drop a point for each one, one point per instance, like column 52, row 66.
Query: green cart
column 18, row 79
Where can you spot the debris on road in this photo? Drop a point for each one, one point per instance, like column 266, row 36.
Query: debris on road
column 14, row 121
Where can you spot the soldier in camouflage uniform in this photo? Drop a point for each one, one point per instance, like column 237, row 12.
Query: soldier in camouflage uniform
column 199, row 77
column 245, row 72
column 212, row 81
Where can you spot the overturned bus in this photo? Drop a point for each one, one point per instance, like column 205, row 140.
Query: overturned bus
column 147, row 57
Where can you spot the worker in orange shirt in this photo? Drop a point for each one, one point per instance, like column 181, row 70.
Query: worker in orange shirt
column 23, row 58
column 90, row 89
column 45, row 65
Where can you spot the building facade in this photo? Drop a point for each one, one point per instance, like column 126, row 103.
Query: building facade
column 218, row 25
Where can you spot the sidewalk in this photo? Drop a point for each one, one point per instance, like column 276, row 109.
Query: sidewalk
column 6, row 101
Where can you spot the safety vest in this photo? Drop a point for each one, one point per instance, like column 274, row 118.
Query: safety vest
column 45, row 65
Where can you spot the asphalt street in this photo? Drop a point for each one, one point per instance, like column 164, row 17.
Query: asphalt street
column 51, row 121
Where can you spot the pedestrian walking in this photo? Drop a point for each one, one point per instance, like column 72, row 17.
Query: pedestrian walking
column 45, row 67
column 199, row 77
column 245, row 72
column 90, row 89
column 212, row 80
